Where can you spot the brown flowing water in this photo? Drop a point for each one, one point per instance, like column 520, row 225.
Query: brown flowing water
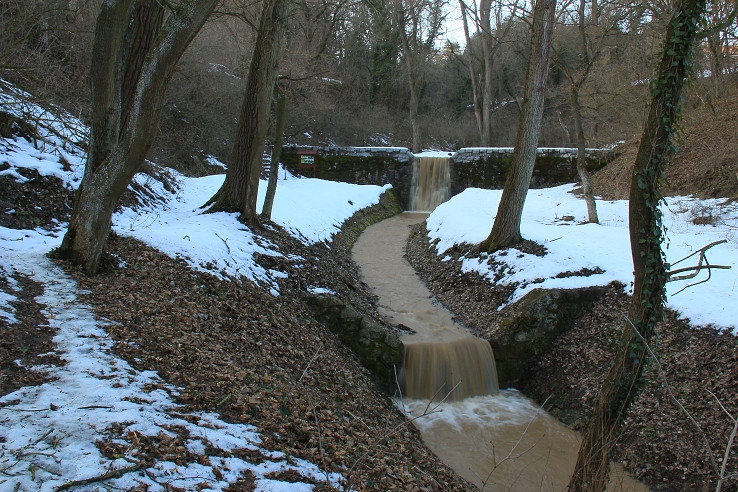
column 431, row 182
column 497, row 441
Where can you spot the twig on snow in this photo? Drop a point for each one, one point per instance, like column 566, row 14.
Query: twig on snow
column 224, row 242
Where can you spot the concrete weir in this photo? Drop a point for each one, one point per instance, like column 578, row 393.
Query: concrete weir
column 470, row 167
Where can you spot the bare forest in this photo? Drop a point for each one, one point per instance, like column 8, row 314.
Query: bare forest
column 403, row 73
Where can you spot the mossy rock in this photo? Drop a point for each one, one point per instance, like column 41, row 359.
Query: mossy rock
column 542, row 315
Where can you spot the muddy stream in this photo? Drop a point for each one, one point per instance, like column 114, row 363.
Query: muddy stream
column 496, row 440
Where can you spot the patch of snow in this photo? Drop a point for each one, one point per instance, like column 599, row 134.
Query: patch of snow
column 555, row 218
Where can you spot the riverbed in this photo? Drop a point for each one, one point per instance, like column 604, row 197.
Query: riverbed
column 500, row 441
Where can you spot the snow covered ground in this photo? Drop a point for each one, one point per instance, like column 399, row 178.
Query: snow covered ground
column 554, row 218
column 48, row 432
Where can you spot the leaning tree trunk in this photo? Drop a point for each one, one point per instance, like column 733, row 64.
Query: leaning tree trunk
column 266, row 210
column 584, row 175
column 646, row 308
column 506, row 228
column 241, row 186
column 133, row 60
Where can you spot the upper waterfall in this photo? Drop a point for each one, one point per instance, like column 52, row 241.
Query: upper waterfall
column 431, row 183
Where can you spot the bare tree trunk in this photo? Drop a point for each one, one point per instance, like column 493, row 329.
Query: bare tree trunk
column 716, row 65
column 646, row 308
column 584, row 175
column 413, row 82
column 147, row 20
column 485, row 7
column 414, row 79
column 241, row 186
column 506, row 228
column 472, row 75
column 589, row 51
column 124, row 119
column 419, row 25
column 266, row 211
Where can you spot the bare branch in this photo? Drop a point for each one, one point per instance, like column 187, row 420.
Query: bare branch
column 701, row 251
column 101, row 478
column 695, row 270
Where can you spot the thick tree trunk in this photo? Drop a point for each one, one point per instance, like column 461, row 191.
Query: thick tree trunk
column 94, row 203
column 584, row 175
column 147, row 20
column 266, row 211
column 241, row 186
column 124, row 117
column 646, row 309
column 506, row 228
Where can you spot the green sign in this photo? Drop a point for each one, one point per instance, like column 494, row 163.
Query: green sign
column 307, row 159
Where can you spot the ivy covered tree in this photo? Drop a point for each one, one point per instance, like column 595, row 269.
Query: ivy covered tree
column 646, row 235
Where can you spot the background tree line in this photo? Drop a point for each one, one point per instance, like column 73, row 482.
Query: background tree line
column 380, row 72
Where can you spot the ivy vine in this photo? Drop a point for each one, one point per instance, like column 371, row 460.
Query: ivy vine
column 666, row 89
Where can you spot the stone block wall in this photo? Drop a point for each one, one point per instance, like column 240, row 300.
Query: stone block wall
column 483, row 167
column 360, row 165
column 471, row 167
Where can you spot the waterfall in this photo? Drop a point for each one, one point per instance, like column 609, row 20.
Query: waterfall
column 455, row 369
column 431, row 183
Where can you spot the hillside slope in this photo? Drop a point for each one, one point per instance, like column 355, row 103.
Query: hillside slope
column 706, row 164
column 156, row 373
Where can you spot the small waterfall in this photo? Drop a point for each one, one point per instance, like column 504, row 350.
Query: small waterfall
column 431, row 183
column 454, row 370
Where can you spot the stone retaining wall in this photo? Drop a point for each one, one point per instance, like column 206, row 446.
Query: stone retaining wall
column 483, row 167
column 360, row 165
column 471, row 167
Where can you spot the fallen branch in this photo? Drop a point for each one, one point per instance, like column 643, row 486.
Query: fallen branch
column 728, row 447
column 101, row 478
column 391, row 431
column 315, row 416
